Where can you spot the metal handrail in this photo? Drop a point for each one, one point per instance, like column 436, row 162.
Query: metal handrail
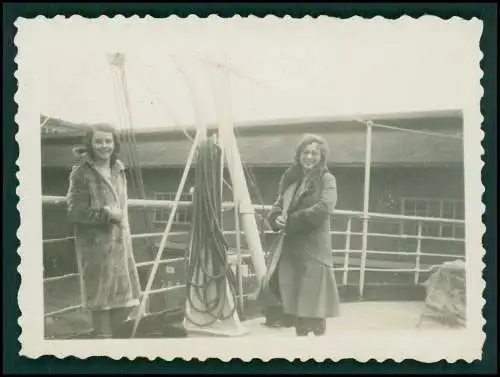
column 165, row 204
column 333, row 232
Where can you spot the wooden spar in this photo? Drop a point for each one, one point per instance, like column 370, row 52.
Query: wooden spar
column 163, row 242
column 240, row 188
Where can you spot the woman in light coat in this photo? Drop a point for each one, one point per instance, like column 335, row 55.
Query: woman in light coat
column 300, row 288
column 97, row 206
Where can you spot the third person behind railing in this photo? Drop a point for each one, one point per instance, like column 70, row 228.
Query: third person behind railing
column 300, row 288
column 97, row 206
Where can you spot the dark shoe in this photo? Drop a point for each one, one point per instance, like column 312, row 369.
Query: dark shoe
column 320, row 328
column 99, row 335
column 271, row 316
column 273, row 324
column 302, row 327
column 276, row 318
column 273, row 321
column 286, row 322
column 301, row 331
column 289, row 321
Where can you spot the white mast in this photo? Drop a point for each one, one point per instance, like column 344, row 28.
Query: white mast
column 235, row 167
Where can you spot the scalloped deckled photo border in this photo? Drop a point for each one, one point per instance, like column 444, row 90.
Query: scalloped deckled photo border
column 362, row 346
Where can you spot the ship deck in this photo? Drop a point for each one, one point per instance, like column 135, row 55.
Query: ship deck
column 355, row 316
column 358, row 316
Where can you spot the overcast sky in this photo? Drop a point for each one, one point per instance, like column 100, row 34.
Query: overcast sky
column 283, row 69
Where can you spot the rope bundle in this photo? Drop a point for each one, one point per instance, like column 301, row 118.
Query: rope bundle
column 210, row 280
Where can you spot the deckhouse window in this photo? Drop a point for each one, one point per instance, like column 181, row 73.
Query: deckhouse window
column 437, row 208
column 182, row 215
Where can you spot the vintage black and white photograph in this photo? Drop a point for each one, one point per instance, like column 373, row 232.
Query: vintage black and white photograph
column 250, row 187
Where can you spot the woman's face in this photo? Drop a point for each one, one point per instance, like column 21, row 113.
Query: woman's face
column 310, row 156
column 103, row 145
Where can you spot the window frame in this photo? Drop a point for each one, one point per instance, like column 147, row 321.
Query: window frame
column 428, row 203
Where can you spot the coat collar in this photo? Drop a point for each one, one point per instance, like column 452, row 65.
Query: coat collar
column 85, row 158
column 295, row 191
column 116, row 169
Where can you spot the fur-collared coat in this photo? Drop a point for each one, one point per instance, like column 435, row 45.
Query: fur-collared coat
column 103, row 246
column 300, row 276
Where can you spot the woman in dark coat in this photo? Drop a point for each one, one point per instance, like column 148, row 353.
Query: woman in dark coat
column 300, row 287
column 97, row 206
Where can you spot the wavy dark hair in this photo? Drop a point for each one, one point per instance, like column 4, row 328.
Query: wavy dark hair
column 295, row 172
column 86, row 145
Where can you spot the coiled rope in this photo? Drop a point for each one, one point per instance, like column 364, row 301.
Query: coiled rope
column 210, row 281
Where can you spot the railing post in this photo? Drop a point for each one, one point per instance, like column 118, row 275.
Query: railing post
column 362, row 266
column 366, row 206
column 347, row 250
column 79, row 267
column 418, row 253
column 453, row 226
column 441, row 210
column 403, row 209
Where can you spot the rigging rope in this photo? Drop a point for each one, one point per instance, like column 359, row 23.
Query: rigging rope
column 124, row 135
column 166, row 107
column 210, row 281
column 127, row 136
column 409, row 130
column 131, row 135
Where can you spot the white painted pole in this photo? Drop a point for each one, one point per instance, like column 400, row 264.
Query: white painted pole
column 347, row 250
column 240, row 188
column 366, row 205
column 238, row 256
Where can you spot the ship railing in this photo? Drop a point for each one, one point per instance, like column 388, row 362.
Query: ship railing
column 344, row 265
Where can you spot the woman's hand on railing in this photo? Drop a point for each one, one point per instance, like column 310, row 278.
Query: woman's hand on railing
column 115, row 214
column 280, row 221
